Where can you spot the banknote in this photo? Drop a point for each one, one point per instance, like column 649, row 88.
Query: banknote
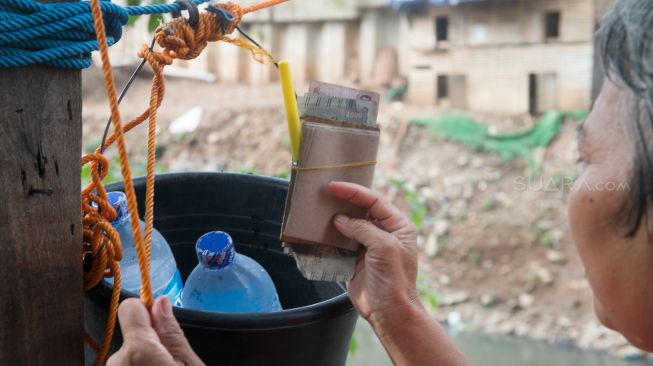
column 337, row 109
column 318, row 87
column 323, row 262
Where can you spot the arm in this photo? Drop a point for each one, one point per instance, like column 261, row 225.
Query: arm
column 384, row 289
column 412, row 337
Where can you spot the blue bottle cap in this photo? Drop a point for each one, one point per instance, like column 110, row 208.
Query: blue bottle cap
column 215, row 250
column 118, row 201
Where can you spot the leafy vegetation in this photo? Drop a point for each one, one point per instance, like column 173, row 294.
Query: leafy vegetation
column 137, row 169
column 417, row 208
column 154, row 20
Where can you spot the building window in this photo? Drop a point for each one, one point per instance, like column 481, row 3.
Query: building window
column 441, row 29
column 443, row 87
column 552, row 25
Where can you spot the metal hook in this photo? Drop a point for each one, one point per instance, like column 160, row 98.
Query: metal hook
column 193, row 12
column 226, row 16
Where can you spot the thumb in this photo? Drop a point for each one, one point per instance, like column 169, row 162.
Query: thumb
column 365, row 232
column 170, row 333
column 134, row 320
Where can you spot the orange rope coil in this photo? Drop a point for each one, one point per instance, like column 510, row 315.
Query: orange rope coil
column 102, row 249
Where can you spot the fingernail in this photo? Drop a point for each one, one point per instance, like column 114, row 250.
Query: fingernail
column 341, row 219
column 166, row 306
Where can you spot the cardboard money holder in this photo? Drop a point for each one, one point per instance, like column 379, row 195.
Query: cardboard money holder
column 330, row 151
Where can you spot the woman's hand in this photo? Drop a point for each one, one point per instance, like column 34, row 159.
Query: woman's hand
column 383, row 289
column 386, row 273
column 155, row 339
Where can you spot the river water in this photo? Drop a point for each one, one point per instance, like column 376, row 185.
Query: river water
column 483, row 350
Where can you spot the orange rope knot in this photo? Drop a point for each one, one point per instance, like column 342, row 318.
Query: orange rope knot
column 180, row 40
column 102, row 249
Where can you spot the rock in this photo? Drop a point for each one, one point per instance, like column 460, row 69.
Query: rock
column 556, row 257
column 187, row 122
column 557, row 235
column 213, row 138
column 454, row 298
column 523, row 330
column 420, row 241
column 489, row 301
column 565, row 322
column 514, row 306
column 441, row 227
column 454, row 320
column 482, row 186
column 433, row 173
column 503, row 199
column 468, row 190
column 431, row 246
column 428, row 193
column 526, row 300
column 544, row 276
column 545, row 225
column 444, row 280
column 477, row 163
column 487, row 264
column 462, row 161
column 630, row 353
column 505, row 270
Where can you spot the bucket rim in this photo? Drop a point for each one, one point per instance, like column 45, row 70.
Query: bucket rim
column 334, row 307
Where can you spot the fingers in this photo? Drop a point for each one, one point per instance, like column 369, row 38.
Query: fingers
column 386, row 215
column 170, row 333
column 135, row 322
column 141, row 344
column 366, row 233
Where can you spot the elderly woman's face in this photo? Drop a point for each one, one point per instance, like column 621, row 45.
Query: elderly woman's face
column 619, row 268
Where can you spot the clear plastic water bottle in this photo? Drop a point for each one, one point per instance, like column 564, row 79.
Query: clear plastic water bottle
column 225, row 281
column 164, row 275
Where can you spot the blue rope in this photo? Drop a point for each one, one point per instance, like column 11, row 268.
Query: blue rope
column 62, row 34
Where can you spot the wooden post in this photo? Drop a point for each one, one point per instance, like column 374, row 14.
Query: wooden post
column 41, row 296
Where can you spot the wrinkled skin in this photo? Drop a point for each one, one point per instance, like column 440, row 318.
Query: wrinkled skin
column 619, row 268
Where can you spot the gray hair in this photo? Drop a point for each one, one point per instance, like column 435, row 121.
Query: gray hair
column 626, row 46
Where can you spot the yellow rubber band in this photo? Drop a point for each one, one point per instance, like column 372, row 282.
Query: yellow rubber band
column 335, row 166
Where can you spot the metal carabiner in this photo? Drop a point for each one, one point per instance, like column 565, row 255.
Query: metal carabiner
column 193, row 12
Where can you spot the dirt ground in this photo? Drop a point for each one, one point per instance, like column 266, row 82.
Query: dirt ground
column 495, row 245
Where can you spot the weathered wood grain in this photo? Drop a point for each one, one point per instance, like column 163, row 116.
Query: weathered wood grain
column 41, row 297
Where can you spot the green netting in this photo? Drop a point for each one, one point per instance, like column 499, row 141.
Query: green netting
column 464, row 129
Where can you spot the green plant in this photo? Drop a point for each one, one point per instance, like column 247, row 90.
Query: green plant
column 477, row 136
column 426, row 291
column 154, row 20
column 114, row 175
column 489, row 203
column 418, row 209
column 284, row 174
column 542, row 235
column 353, row 344
column 474, row 257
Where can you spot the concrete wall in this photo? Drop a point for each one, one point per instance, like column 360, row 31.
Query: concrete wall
column 497, row 45
column 491, row 50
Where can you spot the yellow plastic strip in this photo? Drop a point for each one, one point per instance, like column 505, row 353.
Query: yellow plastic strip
column 292, row 112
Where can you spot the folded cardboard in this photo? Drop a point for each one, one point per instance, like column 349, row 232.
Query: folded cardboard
column 330, row 151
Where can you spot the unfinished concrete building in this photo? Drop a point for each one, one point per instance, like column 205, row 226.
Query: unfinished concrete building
column 502, row 56
column 495, row 56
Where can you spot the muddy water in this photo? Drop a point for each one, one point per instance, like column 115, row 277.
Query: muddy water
column 490, row 351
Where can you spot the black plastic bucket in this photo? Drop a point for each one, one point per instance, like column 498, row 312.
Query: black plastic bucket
column 316, row 326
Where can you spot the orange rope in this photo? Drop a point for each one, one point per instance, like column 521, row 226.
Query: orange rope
column 101, row 241
column 262, row 5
